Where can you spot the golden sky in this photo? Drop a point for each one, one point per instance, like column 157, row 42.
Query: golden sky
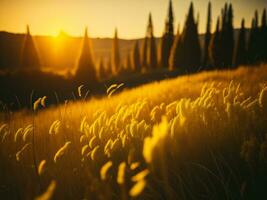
column 48, row 17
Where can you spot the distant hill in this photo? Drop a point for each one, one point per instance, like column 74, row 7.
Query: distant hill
column 57, row 52
column 61, row 52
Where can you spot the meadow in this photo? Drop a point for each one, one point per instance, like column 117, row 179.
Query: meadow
column 200, row 136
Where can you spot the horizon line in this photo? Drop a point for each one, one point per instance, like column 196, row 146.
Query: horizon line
column 91, row 37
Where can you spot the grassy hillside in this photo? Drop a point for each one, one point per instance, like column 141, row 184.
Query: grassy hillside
column 194, row 137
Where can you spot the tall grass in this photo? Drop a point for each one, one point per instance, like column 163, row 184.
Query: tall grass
column 194, row 137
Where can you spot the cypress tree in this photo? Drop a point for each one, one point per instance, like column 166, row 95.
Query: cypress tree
column 251, row 42
column 240, row 55
column 229, row 51
column 122, row 68
column 167, row 39
column 224, row 18
column 85, row 70
column 144, row 52
column 190, row 44
column 115, row 54
column 176, row 55
column 264, row 19
column 136, row 64
column 228, row 37
column 257, row 38
column 128, row 64
column 108, row 68
column 101, row 70
column 215, row 47
column 207, row 38
column 253, row 45
column 223, row 39
column 151, row 45
column 263, row 37
column 29, row 54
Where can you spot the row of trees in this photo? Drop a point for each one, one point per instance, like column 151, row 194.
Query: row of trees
column 181, row 51
column 250, row 47
column 222, row 49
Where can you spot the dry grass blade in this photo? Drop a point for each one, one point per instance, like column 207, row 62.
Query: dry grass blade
column 61, row 152
column 80, row 90
column 138, row 188
column 113, row 86
column 43, row 100
column 48, row 194
column 121, row 173
column 104, row 169
column 41, row 167
column 21, row 152
column 140, row 176
column 36, row 104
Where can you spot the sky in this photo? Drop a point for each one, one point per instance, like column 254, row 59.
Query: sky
column 49, row 17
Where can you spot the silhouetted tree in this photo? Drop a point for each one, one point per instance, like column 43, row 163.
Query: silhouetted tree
column 144, row 52
column 263, row 37
column 85, row 70
column 128, row 63
column 115, row 54
column 167, row 39
column 151, row 45
column 251, row 42
column 223, row 39
column 176, row 51
column 253, row 45
column 29, row 54
column 229, row 37
column 136, row 58
column 191, row 59
column 226, row 37
column 101, row 70
column 122, row 68
column 240, row 55
column 215, row 47
column 108, row 68
column 207, row 38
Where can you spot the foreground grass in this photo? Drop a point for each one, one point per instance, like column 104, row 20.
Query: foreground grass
column 194, row 137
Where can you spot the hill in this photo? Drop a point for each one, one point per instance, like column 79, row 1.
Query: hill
column 59, row 52
column 194, row 137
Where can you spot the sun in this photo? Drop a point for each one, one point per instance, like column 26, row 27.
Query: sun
column 59, row 40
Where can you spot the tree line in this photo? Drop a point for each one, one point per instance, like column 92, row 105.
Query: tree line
column 176, row 51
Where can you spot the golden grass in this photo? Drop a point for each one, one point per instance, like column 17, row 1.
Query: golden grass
column 136, row 143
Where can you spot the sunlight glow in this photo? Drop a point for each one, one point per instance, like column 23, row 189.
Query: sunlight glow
column 58, row 41
column 101, row 16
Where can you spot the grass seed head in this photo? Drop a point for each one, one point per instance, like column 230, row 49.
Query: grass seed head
column 41, row 167
column 61, row 152
column 104, row 169
column 121, row 173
